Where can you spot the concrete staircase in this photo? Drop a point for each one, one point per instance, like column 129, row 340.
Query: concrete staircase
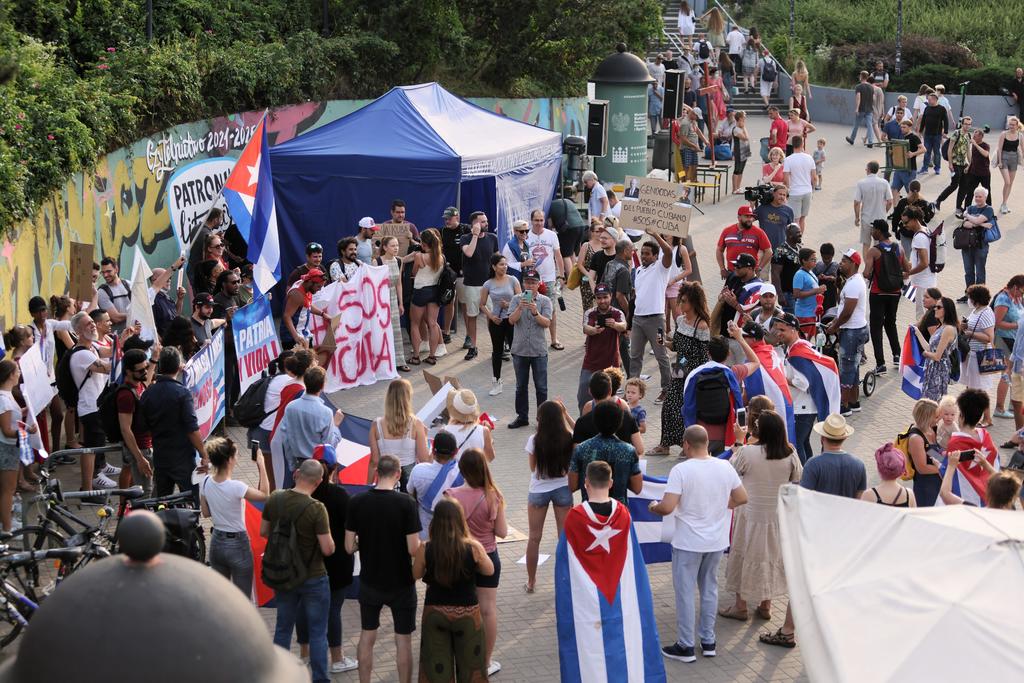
column 750, row 103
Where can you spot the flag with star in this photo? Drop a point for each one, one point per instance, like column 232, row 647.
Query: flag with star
column 603, row 604
column 971, row 478
column 249, row 193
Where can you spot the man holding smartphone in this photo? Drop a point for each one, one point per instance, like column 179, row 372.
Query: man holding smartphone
column 602, row 326
column 531, row 316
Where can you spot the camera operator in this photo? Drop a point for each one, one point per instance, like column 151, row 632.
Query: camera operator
column 772, row 216
column 602, row 326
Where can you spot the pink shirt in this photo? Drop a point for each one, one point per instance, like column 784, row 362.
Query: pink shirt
column 480, row 517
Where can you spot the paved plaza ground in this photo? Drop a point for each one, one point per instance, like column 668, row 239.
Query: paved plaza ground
column 527, row 645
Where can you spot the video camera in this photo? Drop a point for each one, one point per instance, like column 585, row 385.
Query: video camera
column 760, row 194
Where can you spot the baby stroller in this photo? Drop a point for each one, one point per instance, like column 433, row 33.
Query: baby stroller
column 828, row 345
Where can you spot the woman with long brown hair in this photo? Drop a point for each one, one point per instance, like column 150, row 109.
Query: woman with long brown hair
column 690, row 342
column 484, row 508
column 587, row 250
column 426, row 271
column 549, row 450
column 452, row 631
column 399, row 433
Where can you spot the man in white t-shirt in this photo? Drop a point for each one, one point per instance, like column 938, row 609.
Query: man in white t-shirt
column 598, row 204
column 801, row 177
column 657, row 69
column 89, row 374
column 921, row 275
column 736, row 40
column 614, row 205
column 650, row 281
column 872, row 200
column 701, row 493
column 852, row 326
column 547, row 261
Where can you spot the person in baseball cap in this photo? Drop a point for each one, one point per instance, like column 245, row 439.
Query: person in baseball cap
column 851, row 324
column 530, row 274
column 744, row 210
column 450, row 212
column 314, row 274
column 202, row 299
column 744, row 261
column 602, row 290
column 742, row 237
column 298, row 307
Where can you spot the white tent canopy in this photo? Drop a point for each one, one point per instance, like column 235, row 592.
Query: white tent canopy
column 889, row 594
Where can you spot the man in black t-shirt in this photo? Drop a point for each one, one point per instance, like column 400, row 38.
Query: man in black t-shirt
column 933, row 126
column 477, row 248
column 601, row 390
column 382, row 524
column 1017, row 89
column 451, row 233
column 863, row 97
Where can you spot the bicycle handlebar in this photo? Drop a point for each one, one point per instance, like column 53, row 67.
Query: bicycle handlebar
column 17, row 559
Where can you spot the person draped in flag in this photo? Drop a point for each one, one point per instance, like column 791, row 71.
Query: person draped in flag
column 1001, row 490
column 936, row 351
column 741, row 292
column 972, row 478
column 701, row 493
column 769, row 379
column 718, row 386
column 604, row 609
column 813, row 381
column 296, row 321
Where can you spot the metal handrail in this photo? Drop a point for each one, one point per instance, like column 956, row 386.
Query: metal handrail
column 733, row 22
column 673, row 39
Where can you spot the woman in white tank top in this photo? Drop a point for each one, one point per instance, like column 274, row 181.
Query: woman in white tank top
column 464, row 424
column 399, row 433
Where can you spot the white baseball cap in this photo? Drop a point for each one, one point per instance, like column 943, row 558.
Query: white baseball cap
column 367, row 222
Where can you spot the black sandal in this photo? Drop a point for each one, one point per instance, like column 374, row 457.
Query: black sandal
column 431, row 359
column 787, row 640
column 415, row 360
column 404, row 368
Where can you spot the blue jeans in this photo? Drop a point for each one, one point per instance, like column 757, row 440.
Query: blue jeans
column 933, row 151
column 804, row 427
column 974, row 265
column 866, row 118
column 334, row 632
column 851, row 346
column 695, row 570
column 314, row 598
column 232, row 558
column 523, row 366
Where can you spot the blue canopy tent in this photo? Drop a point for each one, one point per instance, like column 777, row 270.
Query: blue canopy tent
column 417, row 143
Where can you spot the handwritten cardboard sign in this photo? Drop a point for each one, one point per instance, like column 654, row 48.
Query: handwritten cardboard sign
column 403, row 231
column 656, row 207
column 80, row 268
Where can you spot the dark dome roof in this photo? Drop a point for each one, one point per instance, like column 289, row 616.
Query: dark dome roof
column 621, row 67
column 173, row 620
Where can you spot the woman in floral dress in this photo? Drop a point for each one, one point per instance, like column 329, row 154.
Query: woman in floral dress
column 588, row 249
column 690, row 342
column 939, row 347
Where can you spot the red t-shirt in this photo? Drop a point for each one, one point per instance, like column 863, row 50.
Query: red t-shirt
column 127, row 404
column 736, row 241
column 778, row 134
column 602, row 350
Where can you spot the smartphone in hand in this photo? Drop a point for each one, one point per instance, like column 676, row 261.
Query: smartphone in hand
column 254, row 447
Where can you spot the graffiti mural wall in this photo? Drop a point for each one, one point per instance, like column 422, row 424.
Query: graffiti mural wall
column 123, row 205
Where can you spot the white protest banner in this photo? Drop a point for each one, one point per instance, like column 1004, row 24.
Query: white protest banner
column 656, row 207
column 204, row 377
column 256, row 342
column 141, row 308
column 37, row 384
column 192, row 191
column 364, row 346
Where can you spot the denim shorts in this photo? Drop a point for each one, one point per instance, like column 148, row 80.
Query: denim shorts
column 560, row 497
column 851, row 346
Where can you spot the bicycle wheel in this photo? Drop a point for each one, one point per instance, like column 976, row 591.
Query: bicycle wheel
column 10, row 628
column 36, row 579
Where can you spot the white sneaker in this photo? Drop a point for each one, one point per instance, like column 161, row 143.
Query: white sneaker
column 346, row 664
column 494, row 668
column 111, row 471
column 442, row 351
column 496, row 388
column 102, row 482
column 424, row 346
column 646, row 378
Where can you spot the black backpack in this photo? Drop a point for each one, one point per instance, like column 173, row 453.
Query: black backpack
column 67, row 388
column 768, row 71
column 446, row 285
column 249, row 409
column 704, row 50
column 110, row 294
column 888, row 273
column 107, row 403
column 714, row 397
column 284, row 568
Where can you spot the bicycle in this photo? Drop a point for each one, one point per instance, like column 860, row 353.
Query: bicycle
column 18, row 606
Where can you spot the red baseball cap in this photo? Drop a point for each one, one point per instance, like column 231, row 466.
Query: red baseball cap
column 745, row 210
column 853, row 255
column 313, row 274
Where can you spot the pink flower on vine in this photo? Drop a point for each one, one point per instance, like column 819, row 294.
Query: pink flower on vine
column 50, row 136
column 103, row 66
column 17, row 126
column 111, row 49
column 209, row 31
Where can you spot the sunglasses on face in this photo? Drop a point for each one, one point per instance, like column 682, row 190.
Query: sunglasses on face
column 522, row 232
column 216, row 246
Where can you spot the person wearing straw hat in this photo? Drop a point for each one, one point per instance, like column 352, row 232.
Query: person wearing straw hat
column 835, row 472
column 464, row 424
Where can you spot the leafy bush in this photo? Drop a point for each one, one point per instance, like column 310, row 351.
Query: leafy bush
column 984, row 80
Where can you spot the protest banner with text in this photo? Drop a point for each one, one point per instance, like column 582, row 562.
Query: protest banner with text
column 256, row 342
column 651, row 204
column 364, row 347
column 204, row 378
column 192, row 191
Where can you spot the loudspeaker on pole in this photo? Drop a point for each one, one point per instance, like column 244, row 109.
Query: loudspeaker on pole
column 597, row 128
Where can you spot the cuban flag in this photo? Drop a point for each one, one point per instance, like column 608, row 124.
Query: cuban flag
column 770, row 381
column 971, row 478
column 690, row 396
column 653, row 532
column 749, row 298
column 249, row 193
column 912, row 365
column 603, row 604
column 822, row 376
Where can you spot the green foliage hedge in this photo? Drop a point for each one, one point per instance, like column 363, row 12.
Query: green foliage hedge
column 86, row 81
